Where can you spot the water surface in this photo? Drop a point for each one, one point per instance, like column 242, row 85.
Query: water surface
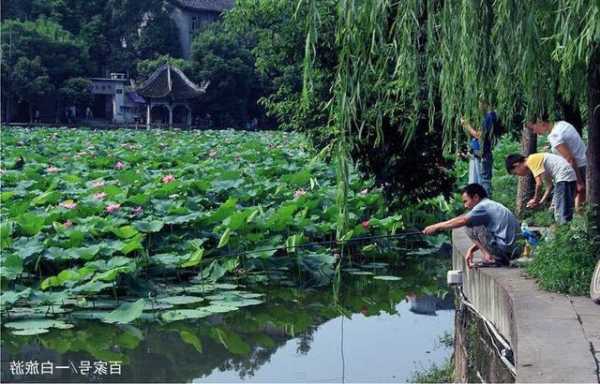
column 370, row 331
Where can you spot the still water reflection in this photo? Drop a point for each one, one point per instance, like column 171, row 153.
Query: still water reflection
column 376, row 331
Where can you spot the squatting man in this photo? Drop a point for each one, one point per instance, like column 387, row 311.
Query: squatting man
column 491, row 226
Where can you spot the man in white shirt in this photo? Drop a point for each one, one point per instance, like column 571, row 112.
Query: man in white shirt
column 566, row 142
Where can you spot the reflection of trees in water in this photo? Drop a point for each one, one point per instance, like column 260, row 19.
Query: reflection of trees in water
column 241, row 341
column 305, row 340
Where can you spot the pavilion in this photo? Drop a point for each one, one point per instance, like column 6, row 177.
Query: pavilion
column 168, row 93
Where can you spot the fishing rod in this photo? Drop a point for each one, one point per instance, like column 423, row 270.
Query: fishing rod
column 332, row 242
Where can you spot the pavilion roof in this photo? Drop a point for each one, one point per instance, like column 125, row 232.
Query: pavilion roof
column 168, row 80
column 205, row 5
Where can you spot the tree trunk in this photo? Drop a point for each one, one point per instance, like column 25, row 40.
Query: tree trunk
column 593, row 154
column 526, row 185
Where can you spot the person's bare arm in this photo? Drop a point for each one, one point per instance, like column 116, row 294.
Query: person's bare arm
column 469, row 255
column 472, row 131
column 457, row 222
column 549, row 186
column 535, row 201
column 568, row 155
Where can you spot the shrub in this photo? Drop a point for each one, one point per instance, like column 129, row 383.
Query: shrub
column 564, row 261
column 443, row 373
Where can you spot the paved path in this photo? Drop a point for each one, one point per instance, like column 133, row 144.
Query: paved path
column 556, row 338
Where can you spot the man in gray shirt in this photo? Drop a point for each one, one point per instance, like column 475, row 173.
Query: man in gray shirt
column 490, row 225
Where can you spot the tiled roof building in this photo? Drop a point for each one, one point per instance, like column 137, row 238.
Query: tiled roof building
column 191, row 15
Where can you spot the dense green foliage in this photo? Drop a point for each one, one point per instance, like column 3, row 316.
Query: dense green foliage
column 225, row 59
column 564, row 261
column 37, row 58
column 114, row 34
column 46, row 43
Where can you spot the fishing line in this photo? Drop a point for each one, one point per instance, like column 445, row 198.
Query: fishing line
column 329, row 242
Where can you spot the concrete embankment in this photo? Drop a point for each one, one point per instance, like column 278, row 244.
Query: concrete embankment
column 554, row 338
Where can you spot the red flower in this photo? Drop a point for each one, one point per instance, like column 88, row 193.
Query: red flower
column 365, row 224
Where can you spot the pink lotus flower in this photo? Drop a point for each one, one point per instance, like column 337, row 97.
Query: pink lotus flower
column 119, row 165
column 299, row 192
column 68, row 224
column 112, row 208
column 68, row 204
column 100, row 196
column 137, row 211
column 364, row 192
column 365, row 224
column 98, row 184
column 168, row 179
column 52, row 170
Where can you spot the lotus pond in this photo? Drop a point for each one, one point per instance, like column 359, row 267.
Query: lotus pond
column 118, row 243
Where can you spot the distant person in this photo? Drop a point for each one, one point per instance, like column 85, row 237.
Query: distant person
column 556, row 173
column 490, row 225
column 566, row 142
column 474, row 161
column 36, row 118
column 484, row 136
column 88, row 113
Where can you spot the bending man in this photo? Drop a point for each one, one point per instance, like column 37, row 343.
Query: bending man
column 566, row 142
column 490, row 225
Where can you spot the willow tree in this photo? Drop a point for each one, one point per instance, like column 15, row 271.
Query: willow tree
column 526, row 57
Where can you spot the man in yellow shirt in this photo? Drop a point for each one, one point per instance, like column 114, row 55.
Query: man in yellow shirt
column 557, row 174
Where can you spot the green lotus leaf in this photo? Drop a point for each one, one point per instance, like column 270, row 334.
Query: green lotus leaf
column 168, row 259
column 6, row 196
column 236, row 220
column 180, row 300
column 262, row 252
column 132, row 244
column 89, row 315
column 184, row 314
column 11, row 297
column 375, row 265
column 125, row 232
column 220, row 307
column 30, row 332
column 224, row 211
column 91, row 287
column 12, row 267
column 224, row 238
column 31, row 223
column 38, row 324
column 139, row 199
column 6, row 231
column 125, row 313
column 111, row 275
column 85, row 253
column 50, row 197
column 194, row 259
column 149, row 226
column 225, row 286
column 388, row 278
column 189, row 338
